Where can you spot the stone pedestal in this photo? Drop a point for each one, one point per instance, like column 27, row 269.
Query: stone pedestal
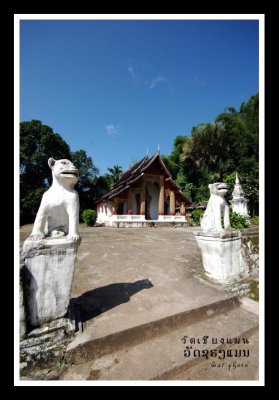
column 221, row 255
column 239, row 205
column 47, row 278
column 22, row 320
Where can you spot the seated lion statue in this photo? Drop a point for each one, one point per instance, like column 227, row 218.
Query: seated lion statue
column 58, row 214
column 217, row 207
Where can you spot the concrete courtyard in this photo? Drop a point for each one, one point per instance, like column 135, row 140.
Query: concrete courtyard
column 127, row 278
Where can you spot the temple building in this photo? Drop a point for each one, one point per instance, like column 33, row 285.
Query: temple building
column 145, row 193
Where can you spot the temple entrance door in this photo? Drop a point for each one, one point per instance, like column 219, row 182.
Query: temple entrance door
column 138, row 204
column 151, row 200
column 167, row 205
column 120, row 209
column 148, row 199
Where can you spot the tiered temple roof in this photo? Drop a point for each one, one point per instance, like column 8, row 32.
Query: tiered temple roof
column 131, row 178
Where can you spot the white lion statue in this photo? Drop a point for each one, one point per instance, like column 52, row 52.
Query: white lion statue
column 58, row 214
column 216, row 208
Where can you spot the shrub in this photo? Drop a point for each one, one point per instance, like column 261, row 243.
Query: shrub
column 254, row 220
column 89, row 217
column 196, row 215
column 238, row 221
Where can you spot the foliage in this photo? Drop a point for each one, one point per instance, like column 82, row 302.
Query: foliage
column 89, row 217
column 208, row 147
column 238, row 221
column 87, row 176
column 29, row 204
column 101, row 185
column 174, row 160
column 115, row 174
column 250, row 184
column 215, row 151
column 38, row 143
column 254, row 290
column 196, row 215
column 254, row 220
column 188, row 190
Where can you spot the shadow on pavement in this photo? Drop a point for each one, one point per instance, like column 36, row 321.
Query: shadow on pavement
column 97, row 301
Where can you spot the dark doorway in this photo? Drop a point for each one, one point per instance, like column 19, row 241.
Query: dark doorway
column 138, row 204
column 167, row 205
column 120, row 208
column 148, row 199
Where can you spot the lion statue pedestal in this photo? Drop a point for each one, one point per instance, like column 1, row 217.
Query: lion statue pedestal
column 221, row 256
column 220, row 245
column 49, row 253
column 48, row 274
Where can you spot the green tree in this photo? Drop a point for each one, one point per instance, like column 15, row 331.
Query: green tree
column 38, row 143
column 215, row 150
column 209, row 147
column 196, row 215
column 249, row 112
column 101, row 184
column 243, row 128
column 115, row 174
column 250, row 184
column 173, row 162
column 86, row 185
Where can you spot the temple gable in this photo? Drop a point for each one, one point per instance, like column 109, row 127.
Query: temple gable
column 146, row 192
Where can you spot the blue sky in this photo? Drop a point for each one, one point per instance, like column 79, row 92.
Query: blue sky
column 115, row 88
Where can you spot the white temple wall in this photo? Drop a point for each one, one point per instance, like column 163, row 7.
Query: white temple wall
column 104, row 212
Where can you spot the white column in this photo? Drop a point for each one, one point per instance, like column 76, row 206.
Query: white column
column 172, row 203
column 142, row 199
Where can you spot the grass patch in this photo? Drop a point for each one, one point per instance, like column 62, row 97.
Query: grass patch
column 254, row 220
column 254, row 291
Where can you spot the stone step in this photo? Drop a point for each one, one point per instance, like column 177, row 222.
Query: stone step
column 164, row 357
column 105, row 336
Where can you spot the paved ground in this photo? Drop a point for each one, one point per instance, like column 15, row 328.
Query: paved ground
column 151, row 272
column 139, row 256
column 131, row 276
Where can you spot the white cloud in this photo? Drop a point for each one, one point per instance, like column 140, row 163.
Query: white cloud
column 194, row 79
column 156, row 81
column 138, row 79
column 112, row 130
column 131, row 71
column 197, row 80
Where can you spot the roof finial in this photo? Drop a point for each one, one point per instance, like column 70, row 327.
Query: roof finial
column 147, row 151
column 236, row 178
column 158, row 149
